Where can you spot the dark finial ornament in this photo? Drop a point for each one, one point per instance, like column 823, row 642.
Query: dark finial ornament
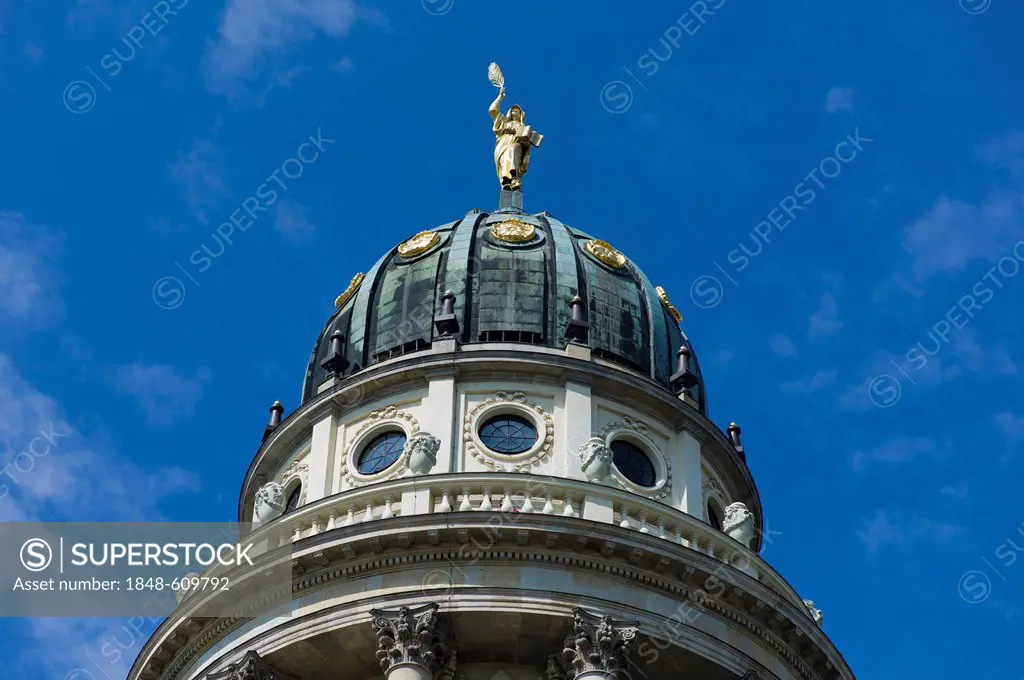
column 577, row 329
column 275, row 419
column 407, row 635
column 597, row 644
column 684, row 378
column 446, row 323
column 734, row 437
column 336, row 363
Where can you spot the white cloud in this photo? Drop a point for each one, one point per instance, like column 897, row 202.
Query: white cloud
column 900, row 531
column 959, row 491
column 163, row 393
column 824, row 321
column 252, row 29
column 33, row 52
column 200, row 171
column 290, row 220
column 782, row 346
column 813, row 383
column 952, row 233
column 1012, row 425
column 839, row 98
column 28, row 278
column 54, row 471
column 900, row 450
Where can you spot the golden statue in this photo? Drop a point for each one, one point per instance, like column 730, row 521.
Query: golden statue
column 512, row 137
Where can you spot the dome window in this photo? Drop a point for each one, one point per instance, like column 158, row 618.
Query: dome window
column 509, row 434
column 381, row 453
column 633, row 463
column 714, row 514
column 293, row 499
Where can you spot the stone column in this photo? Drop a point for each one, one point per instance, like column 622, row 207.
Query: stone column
column 410, row 642
column 596, row 646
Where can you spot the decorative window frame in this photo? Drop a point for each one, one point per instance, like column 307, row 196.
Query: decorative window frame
column 296, row 474
column 712, row 489
column 388, row 419
column 509, row 403
column 639, row 434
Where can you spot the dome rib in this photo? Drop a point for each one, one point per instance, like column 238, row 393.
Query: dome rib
column 506, row 292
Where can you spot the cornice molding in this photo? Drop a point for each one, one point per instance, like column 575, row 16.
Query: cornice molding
column 610, row 551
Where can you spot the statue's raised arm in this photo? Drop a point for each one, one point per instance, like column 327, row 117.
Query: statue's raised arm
column 495, row 108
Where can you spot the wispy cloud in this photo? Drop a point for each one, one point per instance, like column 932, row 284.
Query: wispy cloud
column 250, row 30
column 825, row 320
column 954, row 233
column 200, row 172
column 898, row 530
column 162, row 391
column 62, row 473
column 902, row 450
column 1011, row 425
column 812, row 383
column 839, row 98
column 782, row 346
column 28, row 275
column 290, row 220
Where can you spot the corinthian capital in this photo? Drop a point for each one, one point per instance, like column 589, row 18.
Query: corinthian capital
column 251, row 667
column 409, row 636
column 597, row 644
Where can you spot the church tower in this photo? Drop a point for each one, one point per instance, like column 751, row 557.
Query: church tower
column 501, row 468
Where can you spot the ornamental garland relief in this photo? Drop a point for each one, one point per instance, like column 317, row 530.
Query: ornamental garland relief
column 376, row 420
column 509, row 402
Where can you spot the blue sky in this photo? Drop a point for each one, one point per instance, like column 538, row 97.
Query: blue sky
column 866, row 339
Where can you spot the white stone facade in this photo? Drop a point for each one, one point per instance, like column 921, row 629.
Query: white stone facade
column 459, row 562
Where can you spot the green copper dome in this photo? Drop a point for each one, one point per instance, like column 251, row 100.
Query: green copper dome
column 513, row 276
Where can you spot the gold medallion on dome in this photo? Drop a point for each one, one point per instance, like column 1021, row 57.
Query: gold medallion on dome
column 604, row 252
column 663, row 296
column 420, row 243
column 513, row 231
column 350, row 291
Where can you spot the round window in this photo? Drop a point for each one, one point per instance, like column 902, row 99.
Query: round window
column 633, row 463
column 509, row 434
column 381, row 453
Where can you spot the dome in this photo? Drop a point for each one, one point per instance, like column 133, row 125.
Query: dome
column 513, row 276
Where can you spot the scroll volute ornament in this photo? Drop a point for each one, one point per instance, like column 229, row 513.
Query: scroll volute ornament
column 409, row 636
column 597, row 645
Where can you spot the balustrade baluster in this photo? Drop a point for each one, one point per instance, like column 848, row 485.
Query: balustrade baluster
column 485, row 504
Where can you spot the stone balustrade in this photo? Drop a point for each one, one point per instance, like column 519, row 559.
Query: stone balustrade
column 514, row 493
